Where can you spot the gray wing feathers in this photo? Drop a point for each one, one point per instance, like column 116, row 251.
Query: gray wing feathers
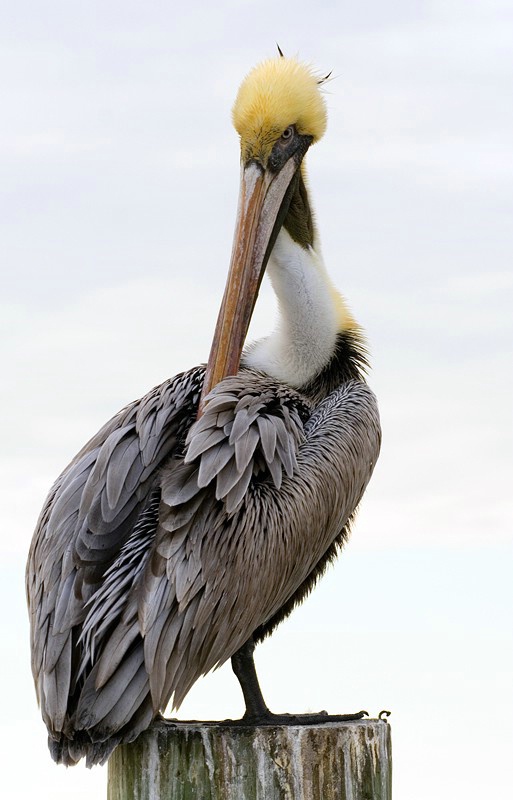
column 89, row 515
column 240, row 416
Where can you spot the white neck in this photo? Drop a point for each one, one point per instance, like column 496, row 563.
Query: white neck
column 310, row 316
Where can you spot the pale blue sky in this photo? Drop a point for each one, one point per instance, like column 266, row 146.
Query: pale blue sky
column 119, row 174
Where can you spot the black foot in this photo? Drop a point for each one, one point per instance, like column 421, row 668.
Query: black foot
column 266, row 720
column 297, row 719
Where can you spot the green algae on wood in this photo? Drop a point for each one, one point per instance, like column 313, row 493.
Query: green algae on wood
column 334, row 761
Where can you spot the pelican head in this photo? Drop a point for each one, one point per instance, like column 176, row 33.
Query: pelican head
column 278, row 94
column 278, row 113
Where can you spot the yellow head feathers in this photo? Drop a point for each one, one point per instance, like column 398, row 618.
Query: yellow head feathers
column 277, row 93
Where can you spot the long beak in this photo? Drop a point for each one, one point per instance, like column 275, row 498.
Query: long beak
column 260, row 199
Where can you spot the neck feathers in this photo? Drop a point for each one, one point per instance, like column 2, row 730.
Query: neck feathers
column 299, row 221
column 314, row 321
column 311, row 316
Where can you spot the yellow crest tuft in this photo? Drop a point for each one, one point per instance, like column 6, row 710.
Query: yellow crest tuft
column 277, row 93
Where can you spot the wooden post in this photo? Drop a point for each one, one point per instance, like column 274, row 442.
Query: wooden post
column 334, row 761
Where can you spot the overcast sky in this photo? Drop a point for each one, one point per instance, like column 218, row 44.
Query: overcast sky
column 119, row 178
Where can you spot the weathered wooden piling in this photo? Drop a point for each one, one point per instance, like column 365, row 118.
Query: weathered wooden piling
column 334, row 761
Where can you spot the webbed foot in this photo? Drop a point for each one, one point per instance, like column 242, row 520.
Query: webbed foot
column 321, row 718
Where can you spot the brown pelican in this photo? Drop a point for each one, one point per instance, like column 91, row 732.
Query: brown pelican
column 175, row 541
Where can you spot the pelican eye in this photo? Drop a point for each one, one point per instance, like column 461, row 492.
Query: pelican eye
column 288, row 133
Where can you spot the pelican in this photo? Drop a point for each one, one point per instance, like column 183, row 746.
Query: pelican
column 199, row 516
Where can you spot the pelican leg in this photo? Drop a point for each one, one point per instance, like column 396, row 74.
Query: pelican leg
column 257, row 712
column 243, row 665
